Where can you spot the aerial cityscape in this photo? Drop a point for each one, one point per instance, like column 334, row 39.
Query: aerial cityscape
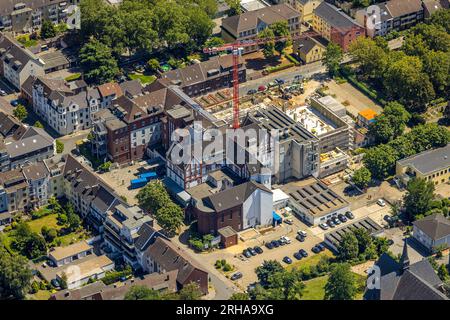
column 224, row 150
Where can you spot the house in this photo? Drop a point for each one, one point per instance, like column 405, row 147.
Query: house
column 65, row 255
column 309, row 49
column 201, row 78
column 306, row 9
column 432, row 165
column 163, row 256
column 430, row 7
column 335, row 26
column 403, row 280
column 313, row 202
column 79, row 274
column 366, row 117
column 247, row 25
column 219, row 205
column 392, row 15
column 18, row 63
column 27, row 15
column 433, row 232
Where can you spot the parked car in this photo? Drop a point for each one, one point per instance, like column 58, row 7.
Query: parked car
column 262, row 88
column 272, row 84
column 236, row 276
column 258, row 250
column 2, row 92
column 285, row 239
column 300, row 238
column 320, row 246
column 288, row 221
column 298, row 256
column 336, row 221
column 302, row 233
column 303, row 253
column 269, row 245
column 279, row 81
column 252, row 251
column 331, row 223
column 14, row 103
column 323, row 226
column 252, row 91
column 315, row 249
column 282, row 242
column 349, row 215
column 287, row 260
column 55, row 283
column 381, row 202
column 247, row 253
column 276, row 243
column 342, row 218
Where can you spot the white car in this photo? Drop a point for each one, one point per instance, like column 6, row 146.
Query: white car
column 323, row 226
column 302, row 233
column 286, row 239
column 381, row 202
column 2, row 92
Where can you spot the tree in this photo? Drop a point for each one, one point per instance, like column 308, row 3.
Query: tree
column 362, row 177
column 281, row 29
column 235, row 7
column 268, row 47
column 267, row 268
column 153, row 196
column 364, row 239
column 390, row 123
column 142, row 293
column 348, row 247
column 341, row 284
column 29, row 243
column 437, row 66
column 48, row 29
column 239, row 296
column 418, row 197
column 97, row 62
column 332, row 58
column 105, row 167
column 59, row 146
column 380, row 161
column 190, row 291
column 443, row 272
column 286, row 285
column 15, row 275
column 170, row 217
column 38, row 124
column 441, row 18
column 153, row 65
column 214, row 42
column 371, row 57
column 20, row 112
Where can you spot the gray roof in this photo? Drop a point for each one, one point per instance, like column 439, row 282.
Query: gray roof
column 335, row 17
column 15, row 52
column 429, row 161
column 398, row 8
column 33, row 139
column 36, row 171
column 146, row 232
column 435, row 226
column 306, row 45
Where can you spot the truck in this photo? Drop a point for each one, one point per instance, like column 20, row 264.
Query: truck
column 148, row 176
column 138, row 183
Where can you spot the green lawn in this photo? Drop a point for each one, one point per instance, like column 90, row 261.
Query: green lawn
column 49, row 221
column 41, row 295
column 142, row 78
column 26, row 41
column 315, row 288
column 310, row 261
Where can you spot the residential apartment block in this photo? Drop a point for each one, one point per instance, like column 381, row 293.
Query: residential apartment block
column 332, row 24
column 27, row 15
column 306, row 8
column 16, row 62
column 247, row 25
column 391, row 15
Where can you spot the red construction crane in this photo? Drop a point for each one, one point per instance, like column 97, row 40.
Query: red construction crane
column 236, row 48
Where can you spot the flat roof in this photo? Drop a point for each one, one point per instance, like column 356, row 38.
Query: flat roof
column 64, row 252
column 314, row 197
column 429, row 161
column 312, row 120
column 86, row 268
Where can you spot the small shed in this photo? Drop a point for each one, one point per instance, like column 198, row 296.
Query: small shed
column 228, row 236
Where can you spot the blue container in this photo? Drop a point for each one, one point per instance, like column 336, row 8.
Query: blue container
column 148, row 175
column 138, row 183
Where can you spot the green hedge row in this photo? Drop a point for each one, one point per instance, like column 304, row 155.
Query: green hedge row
column 279, row 68
column 363, row 87
column 293, row 60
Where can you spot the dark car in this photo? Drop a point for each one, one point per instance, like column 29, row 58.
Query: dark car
column 320, row 246
column 279, row 81
column 275, row 243
column 55, row 283
column 269, row 245
column 342, row 218
column 315, row 249
column 247, row 253
column 252, row 91
column 298, row 256
column 300, row 238
column 287, row 260
column 14, row 103
column 349, row 215
column 331, row 223
column 258, row 250
column 303, row 253
column 252, row 251
column 388, row 219
column 236, row 276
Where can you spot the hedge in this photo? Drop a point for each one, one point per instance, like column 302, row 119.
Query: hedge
column 279, row 68
column 293, row 60
column 362, row 87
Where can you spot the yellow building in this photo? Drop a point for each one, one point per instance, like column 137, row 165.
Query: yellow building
column 432, row 165
column 306, row 9
column 309, row 50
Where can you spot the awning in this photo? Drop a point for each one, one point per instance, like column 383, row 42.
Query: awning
column 276, row 217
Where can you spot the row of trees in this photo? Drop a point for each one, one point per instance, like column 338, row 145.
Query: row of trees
column 155, row 199
column 359, row 245
column 140, row 26
column 190, row 291
column 275, row 30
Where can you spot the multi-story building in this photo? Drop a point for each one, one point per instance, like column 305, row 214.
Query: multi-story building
column 201, row 78
column 27, row 15
column 16, row 62
column 392, row 15
column 13, row 191
column 247, row 25
column 335, row 26
column 38, row 179
column 432, row 232
column 306, row 8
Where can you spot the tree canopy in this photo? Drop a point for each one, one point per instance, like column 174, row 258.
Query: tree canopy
column 417, row 200
column 15, row 275
column 341, row 284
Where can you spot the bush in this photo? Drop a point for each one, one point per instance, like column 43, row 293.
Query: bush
column 218, row 264
column 293, row 60
column 227, row 267
column 196, row 244
column 279, row 68
column 34, row 287
column 59, row 146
